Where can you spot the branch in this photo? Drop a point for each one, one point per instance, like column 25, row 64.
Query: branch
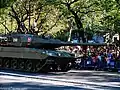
column 40, row 9
column 70, row 3
column 5, row 27
column 15, row 16
column 73, row 2
column 24, row 27
column 89, row 5
column 37, row 17
column 43, row 20
column 40, row 24
column 22, row 17
column 11, row 15
column 55, row 23
column 86, row 12
column 27, row 12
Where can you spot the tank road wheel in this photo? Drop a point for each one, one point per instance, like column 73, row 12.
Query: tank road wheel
column 38, row 67
column 21, row 65
column 41, row 66
column 6, row 63
column 14, row 64
column 64, row 68
column 58, row 68
column 0, row 62
column 28, row 66
column 45, row 68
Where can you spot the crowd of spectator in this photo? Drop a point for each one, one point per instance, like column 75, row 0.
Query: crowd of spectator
column 97, row 57
column 96, row 38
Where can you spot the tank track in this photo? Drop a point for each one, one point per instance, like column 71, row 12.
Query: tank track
column 30, row 65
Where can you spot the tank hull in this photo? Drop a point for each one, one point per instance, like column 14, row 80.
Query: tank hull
column 31, row 60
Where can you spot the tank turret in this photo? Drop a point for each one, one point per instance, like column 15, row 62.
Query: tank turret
column 33, row 41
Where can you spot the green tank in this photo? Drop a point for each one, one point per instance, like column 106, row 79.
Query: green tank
column 31, row 53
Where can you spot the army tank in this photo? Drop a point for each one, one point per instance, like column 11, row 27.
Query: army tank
column 31, row 53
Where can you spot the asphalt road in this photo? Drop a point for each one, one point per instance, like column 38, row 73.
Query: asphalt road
column 72, row 80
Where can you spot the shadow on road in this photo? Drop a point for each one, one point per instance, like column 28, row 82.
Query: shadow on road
column 89, row 76
column 32, row 86
column 36, row 86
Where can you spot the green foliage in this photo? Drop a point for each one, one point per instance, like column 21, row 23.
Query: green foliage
column 6, row 3
column 55, row 14
column 62, row 35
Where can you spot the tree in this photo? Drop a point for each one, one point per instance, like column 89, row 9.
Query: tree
column 77, row 10
column 111, row 17
column 41, row 16
column 34, row 16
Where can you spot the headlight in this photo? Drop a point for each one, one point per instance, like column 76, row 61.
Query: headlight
column 59, row 54
column 43, row 52
column 50, row 54
column 47, row 52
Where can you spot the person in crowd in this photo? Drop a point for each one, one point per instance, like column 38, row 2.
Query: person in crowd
column 116, row 42
column 98, row 38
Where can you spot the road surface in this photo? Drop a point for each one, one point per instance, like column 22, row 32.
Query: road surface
column 72, row 80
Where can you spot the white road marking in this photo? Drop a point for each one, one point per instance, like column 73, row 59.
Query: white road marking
column 52, row 82
column 12, row 77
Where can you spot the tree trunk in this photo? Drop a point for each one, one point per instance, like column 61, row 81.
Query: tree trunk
column 69, row 38
column 78, row 22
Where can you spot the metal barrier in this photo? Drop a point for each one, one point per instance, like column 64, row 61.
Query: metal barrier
column 89, row 64
column 117, row 65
